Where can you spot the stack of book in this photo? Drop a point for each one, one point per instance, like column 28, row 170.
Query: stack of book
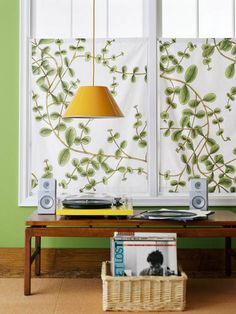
column 143, row 254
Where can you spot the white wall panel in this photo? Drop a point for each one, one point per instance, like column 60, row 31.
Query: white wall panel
column 126, row 18
column 216, row 18
column 82, row 18
column 179, row 18
column 51, row 18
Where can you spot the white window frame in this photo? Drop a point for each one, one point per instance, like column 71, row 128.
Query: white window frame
column 152, row 199
column 24, row 199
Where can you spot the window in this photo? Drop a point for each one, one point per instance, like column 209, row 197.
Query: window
column 196, row 126
column 129, row 154
column 73, row 18
column 86, row 155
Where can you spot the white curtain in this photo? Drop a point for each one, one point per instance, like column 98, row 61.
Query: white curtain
column 106, row 155
column 197, row 114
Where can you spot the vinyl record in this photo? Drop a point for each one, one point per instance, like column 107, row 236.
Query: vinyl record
column 168, row 214
column 87, row 203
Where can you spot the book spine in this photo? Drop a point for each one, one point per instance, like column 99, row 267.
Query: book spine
column 144, row 239
column 112, row 255
column 119, row 258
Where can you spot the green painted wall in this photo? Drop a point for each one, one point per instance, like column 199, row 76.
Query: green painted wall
column 11, row 216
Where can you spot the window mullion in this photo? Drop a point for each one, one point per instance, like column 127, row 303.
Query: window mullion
column 71, row 18
column 108, row 19
column 234, row 18
column 198, row 20
column 152, row 99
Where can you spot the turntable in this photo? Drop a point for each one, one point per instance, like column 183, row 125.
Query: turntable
column 73, row 206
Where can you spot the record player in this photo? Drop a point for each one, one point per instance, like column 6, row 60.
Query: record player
column 95, row 206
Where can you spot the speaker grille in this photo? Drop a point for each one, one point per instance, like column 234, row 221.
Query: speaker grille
column 46, row 202
column 198, row 202
column 198, row 185
column 46, row 185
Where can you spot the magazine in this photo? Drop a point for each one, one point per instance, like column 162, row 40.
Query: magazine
column 144, row 254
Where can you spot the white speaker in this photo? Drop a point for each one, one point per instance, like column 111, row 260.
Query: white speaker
column 198, row 194
column 47, row 196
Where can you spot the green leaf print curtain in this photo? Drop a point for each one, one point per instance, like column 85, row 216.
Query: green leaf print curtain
column 105, row 155
column 198, row 114
column 196, row 105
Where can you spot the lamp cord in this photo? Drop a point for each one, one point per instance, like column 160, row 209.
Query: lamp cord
column 93, row 42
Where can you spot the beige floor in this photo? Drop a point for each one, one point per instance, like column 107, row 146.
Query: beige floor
column 83, row 296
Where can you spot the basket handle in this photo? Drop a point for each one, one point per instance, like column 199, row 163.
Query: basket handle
column 104, row 269
column 182, row 273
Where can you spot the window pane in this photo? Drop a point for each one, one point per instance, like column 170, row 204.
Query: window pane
column 216, row 18
column 82, row 18
column 125, row 18
column 179, row 18
column 52, row 18
column 74, row 18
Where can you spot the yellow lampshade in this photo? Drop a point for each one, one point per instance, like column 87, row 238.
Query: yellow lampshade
column 93, row 102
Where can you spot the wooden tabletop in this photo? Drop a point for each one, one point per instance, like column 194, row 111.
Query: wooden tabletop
column 219, row 218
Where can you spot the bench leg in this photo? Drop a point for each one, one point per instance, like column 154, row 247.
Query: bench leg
column 38, row 256
column 27, row 273
column 228, row 268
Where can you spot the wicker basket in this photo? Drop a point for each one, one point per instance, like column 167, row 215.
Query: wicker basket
column 143, row 293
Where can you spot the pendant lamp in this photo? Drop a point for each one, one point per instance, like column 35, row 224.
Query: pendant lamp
column 93, row 101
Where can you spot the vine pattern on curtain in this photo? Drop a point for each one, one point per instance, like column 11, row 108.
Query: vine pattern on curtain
column 198, row 114
column 89, row 155
column 196, row 106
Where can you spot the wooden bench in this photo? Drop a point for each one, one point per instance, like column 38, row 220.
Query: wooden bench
column 220, row 224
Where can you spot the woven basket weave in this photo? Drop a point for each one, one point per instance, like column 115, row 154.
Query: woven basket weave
column 143, row 293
